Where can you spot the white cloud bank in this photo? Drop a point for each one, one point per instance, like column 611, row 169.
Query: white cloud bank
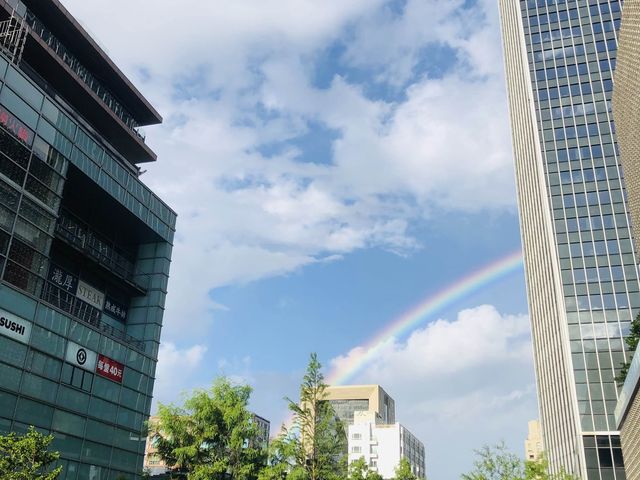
column 233, row 77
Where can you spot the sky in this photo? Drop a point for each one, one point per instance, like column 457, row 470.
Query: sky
column 334, row 163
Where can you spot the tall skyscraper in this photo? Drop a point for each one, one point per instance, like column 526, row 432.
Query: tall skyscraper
column 626, row 104
column 580, row 263
column 85, row 246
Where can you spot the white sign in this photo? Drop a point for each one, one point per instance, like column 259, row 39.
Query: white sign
column 90, row 295
column 81, row 357
column 14, row 327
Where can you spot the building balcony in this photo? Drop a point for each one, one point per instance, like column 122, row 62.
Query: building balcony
column 86, row 313
column 79, row 74
column 82, row 72
column 78, row 235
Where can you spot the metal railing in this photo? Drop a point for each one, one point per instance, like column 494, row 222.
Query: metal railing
column 81, row 71
column 93, row 245
column 13, row 35
column 86, row 313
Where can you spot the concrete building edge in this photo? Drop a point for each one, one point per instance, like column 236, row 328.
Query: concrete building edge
column 580, row 467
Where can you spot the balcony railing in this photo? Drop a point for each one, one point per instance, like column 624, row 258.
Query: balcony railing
column 79, row 235
column 81, row 71
column 86, row 313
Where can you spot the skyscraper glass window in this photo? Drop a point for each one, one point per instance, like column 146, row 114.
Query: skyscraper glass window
column 579, row 257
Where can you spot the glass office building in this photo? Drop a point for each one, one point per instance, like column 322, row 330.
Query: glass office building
column 85, row 246
column 580, row 262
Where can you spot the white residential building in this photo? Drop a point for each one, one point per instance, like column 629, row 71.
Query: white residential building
column 382, row 446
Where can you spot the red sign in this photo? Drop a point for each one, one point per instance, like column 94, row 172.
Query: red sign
column 110, row 369
column 15, row 126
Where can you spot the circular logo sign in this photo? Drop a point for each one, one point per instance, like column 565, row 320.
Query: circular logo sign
column 81, row 356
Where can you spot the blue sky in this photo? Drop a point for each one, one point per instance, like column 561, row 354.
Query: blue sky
column 334, row 163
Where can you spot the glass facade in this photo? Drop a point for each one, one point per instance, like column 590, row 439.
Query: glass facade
column 345, row 409
column 571, row 52
column 85, row 250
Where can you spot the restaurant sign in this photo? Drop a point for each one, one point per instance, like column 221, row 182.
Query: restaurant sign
column 15, row 126
column 63, row 279
column 81, row 357
column 14, row 327
column 110, row 369
column 90, row 295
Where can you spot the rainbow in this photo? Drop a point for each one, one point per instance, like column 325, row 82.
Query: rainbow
column 402, row 325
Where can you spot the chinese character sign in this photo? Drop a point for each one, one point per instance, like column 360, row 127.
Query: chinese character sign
column 63, row 279
column 115, row 309
column 110, row 369
column 15, row 126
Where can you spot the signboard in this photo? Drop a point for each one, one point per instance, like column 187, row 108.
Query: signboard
column 115, row 309
column 63, row 279
column 90, row 295
column 15, row 126
column 81, row 357
column 14, row 327
column 110, row 369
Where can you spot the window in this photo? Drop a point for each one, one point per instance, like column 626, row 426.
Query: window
column 77, row 377
column 43, row 365
column 356, row 449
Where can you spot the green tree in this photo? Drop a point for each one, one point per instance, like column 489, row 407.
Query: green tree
column 539, row 470
column 498, row 463
column 27, row 457
column 403, row 471
column 285, row 459
column 632, row 341
column 322, row 439
column 212, row 436
column 359, row 470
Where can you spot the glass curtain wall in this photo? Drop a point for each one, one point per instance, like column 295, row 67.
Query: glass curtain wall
column 571, row 49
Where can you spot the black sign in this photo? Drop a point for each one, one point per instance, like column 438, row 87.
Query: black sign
column 15, row 126
column 63, row 279
column 115, row 309
column 81, row 356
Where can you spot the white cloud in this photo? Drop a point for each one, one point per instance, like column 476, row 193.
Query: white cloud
column 458, row 384
column 176, row 370
column 231, row 77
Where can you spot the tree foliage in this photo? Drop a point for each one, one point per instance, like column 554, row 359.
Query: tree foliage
column 632, row 341
column 359, row 470
column 322, row 448
column 539, row 470
column 26, row 457
column 315, row 447
column 495, row 463
column 211, row 436
column 403, row 471
column 498, row 463
column 286, row 459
